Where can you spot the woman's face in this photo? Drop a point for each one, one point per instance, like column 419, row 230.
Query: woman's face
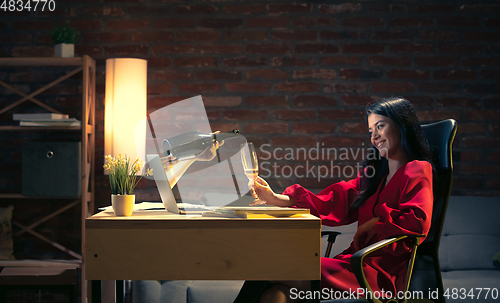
column 385, row 136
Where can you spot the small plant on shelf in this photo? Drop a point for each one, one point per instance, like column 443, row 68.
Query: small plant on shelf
column 65, row 34
column 65, row 38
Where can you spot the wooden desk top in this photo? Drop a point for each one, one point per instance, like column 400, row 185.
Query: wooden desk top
column 152, row 219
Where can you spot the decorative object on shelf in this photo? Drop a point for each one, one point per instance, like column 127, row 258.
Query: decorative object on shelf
column 51, row 169
column 124, row 175
column 125, row 107
column 6, row 243
column 65, row 37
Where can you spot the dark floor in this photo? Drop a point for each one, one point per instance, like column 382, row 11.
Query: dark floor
column 36, row 296
column 20, row 294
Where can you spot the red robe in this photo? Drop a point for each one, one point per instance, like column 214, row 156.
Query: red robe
column 404, row 206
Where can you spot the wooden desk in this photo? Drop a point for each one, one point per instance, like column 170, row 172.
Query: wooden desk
column 158, row 245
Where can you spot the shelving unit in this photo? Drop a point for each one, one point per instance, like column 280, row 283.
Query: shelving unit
column 86, row 66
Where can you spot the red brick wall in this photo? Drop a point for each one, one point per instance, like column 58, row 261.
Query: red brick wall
column 298, row 73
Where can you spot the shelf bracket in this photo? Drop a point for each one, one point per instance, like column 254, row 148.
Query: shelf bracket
column 55, row 244
column 30, row 96
column 28, row 228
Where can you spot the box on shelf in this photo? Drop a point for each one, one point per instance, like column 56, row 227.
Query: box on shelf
column 51, row 169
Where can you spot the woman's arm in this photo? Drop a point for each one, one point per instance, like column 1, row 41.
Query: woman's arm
column 412, row 213
column 331, row 204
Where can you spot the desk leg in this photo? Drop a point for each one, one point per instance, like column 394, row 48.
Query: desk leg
column 108, row 294
column 108, row 291
column 316, row 286
column 96, row 291
column 120, row 291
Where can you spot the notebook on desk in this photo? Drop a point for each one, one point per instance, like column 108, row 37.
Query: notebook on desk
column 166, row 194
column 257, row 212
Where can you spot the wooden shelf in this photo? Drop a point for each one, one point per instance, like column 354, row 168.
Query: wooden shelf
column 86, row 66
column 41, row 61
column 39, row 128
column 89, row 128
column 20, row 196
column 42, row 263
column 39, row 272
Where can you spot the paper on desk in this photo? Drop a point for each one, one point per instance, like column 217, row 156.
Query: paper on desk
column 159, row 206
column 139, row 206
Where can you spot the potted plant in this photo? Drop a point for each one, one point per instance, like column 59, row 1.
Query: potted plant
column 65, row 37
column 123, row 178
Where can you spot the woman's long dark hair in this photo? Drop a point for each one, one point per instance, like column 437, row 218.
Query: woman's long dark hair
column 413, row 143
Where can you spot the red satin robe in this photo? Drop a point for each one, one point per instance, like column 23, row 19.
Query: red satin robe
column 404, row 206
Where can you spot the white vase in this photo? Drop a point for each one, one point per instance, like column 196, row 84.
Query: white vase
column 123, row 205
column 64, row 50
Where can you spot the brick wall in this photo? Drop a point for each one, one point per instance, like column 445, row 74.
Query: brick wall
column 298, row 74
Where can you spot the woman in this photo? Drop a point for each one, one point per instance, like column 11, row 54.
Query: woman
column 391, row 196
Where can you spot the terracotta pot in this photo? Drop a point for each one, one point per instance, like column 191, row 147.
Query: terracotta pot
column 123, row 205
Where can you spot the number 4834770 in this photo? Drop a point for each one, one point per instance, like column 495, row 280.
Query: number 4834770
column 27, row 5
column 473, row 293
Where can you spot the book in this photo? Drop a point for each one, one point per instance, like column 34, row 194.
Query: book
column 216, row 214
column 35, row 116
column 259, row 211
column 50, row 122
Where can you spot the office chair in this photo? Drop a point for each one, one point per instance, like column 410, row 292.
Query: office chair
column 440, row 136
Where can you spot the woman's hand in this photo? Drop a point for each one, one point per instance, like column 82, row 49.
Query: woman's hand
column 263, row 191
column 365, row 233
column 210, row 153
column 260, row 189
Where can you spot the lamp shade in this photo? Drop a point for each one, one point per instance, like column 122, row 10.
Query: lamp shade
column 125, row 107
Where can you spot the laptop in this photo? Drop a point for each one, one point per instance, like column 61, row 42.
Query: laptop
column 166, row 194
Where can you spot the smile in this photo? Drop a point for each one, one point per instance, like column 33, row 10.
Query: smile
column 379, row 144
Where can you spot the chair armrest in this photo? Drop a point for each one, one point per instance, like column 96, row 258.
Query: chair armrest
column 332, row 235
column 357, row 260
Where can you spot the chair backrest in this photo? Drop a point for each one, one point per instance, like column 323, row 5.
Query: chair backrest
column 440, row 136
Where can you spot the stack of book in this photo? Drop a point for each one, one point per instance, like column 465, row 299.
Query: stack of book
column 256, row 212
column 45, row 119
